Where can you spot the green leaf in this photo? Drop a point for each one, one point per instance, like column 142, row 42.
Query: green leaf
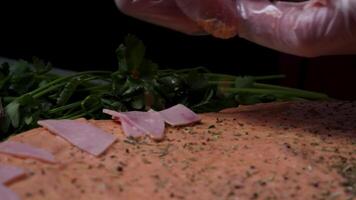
column 121, row 56
column 4, row 126
column 4, row 82
column 91, row 103
column 2, row 112
column 28, row 119
column 42, row 83
column 117, row 83
column 26, row 100
column 172, row 87
column 244, row 82
column 152, row 98
column 13, row 112
column 135, row 52
column 4, row 70
column 131, row 55
column 113, row 104
column 196, row 81
column 68, row 91
column 137, row 102
column 132, row 87
column 40, row 67
column 148, row 69
column 20, row 67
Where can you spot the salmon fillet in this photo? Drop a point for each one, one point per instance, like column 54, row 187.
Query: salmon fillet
column 293, row 150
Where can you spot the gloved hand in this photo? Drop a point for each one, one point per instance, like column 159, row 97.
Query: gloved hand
column 160, row 12
column 311, row 28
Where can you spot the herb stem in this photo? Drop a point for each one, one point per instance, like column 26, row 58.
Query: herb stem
column 232, row 77
column 223, row 82
column 94, row 88
column 223, row 76
column 269, row 77
column 66, row 107
column 305, row 93
column 60, row 84
column 301, row 94
column 59, row 80
column 80, row 113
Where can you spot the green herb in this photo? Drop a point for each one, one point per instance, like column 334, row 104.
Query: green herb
column 2, row 112
column 30, row 91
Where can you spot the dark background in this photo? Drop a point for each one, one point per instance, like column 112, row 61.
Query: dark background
column 83, row 35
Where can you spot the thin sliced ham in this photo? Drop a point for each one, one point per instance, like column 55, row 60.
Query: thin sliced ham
column 85, row 136
column 7, row 194
column 9, row 173
column 26, row 151
column 179, row 115
column 135, row 123
column 130, row 128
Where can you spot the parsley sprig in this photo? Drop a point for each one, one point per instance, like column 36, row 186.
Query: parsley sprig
column 31, row 91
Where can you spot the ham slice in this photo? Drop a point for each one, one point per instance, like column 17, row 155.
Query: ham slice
column 136, row 123
column 85, row 136
column 149, row 122
column 7, row 194
column 179, row 115
column 26, row 151
column 130, row 129
column 9, row 173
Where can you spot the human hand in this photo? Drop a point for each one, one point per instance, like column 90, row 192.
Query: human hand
column 311, row 28
column 160, row 12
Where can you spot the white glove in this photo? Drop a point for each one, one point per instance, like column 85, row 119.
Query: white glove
column 311, row 28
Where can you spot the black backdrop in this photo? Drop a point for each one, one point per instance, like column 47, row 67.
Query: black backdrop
column 82, row 35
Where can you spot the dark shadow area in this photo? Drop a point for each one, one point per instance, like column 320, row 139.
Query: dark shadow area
column 83, row 35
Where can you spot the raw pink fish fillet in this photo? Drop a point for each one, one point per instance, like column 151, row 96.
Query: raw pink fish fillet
column 26, row 151
column 85, row 136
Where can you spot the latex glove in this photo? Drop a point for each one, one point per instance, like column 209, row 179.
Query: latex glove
column 312, row 28
column 205, row 16
column 160, row 12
